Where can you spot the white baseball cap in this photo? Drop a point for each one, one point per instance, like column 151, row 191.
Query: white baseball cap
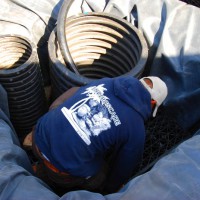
column 158, row 92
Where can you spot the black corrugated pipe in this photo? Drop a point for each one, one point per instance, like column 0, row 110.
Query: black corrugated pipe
column 93, row 46
column 21, row 77
column 101, row 45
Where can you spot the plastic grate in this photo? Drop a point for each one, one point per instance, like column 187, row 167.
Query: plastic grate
column 162, row 135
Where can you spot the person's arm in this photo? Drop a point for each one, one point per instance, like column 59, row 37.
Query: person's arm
column 127, row 159
column 66, row 95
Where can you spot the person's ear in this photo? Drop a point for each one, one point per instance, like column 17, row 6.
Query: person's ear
column 153, row 103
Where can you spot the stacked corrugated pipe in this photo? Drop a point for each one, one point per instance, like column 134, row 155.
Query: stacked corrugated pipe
column 93, row 46
column 21, row 77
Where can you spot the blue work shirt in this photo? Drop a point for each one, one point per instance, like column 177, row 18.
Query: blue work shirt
column 106, row 113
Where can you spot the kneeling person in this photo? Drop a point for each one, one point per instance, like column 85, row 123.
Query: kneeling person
column 84, row 124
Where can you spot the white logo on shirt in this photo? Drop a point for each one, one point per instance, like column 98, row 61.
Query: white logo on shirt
column 91, row 115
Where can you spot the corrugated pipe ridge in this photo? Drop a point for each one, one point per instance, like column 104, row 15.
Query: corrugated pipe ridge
column 21, row 77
